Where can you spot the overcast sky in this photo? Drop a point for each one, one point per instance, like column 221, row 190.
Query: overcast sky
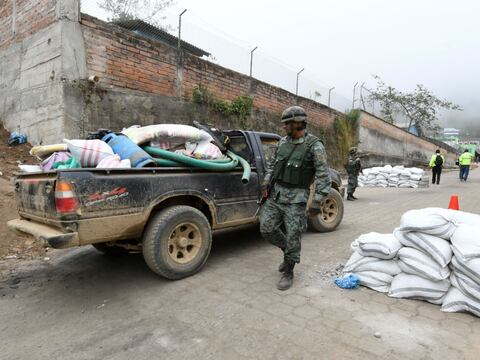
column 435, row 43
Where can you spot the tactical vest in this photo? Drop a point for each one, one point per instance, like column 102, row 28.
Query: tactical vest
column 291, row 166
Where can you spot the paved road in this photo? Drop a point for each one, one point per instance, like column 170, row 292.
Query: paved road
column 82, row 305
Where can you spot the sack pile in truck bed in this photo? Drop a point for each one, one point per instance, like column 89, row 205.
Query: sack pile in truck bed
column 434, row 255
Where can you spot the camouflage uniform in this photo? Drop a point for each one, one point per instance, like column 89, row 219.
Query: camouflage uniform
column 284, row 216
column 353, row 168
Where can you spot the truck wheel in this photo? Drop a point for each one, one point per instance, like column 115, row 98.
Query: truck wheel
column 331, row 213
column 177, row 242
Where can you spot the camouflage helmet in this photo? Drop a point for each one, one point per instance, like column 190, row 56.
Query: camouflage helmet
column 294, row 113
column 352, row 150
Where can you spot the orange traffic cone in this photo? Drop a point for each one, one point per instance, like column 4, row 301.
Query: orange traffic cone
column 453, row 203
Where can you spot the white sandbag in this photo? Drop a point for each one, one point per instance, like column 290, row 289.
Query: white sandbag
column 371, row 177
column 394, row 179
column 382, row 246
column 170, row 132
column 207, row 151
column 416, row 287
column 438, row 248
column 416, row 171
column 374, row 171
column 433, row 221
column 381, row 177
column 416, row 262
column 114, row 162
column 465, row 285
column 382, row 182
column 406, row 173
column 416, row 177
column 466, row 242
column 387, row 169
column 375, row 280
column 470, row 268
column 358, row 262
column 89, row 152
column 456, row 301
column 366, row 172
column 462, row 217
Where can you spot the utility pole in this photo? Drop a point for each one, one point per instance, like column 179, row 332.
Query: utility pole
column 180, row 27
column 353, row 99
column 250, row 85
column 179, row 78
column 296, row 86
column 329, row 92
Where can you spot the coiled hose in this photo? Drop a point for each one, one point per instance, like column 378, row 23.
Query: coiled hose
column 167, row 158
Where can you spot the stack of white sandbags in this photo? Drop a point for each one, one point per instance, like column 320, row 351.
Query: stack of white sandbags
column 434, row 256
column 388, row 176
column 372, row 260
column 464, row 295
column 425, row 256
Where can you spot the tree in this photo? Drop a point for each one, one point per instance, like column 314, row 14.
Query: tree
column 420, row 106
column 147, row 10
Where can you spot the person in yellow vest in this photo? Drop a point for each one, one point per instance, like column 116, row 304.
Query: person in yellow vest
column 436, row 163
column 464, row 161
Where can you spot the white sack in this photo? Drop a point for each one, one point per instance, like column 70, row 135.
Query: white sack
column 469, row 268
column 416, row 177
column 358, row 263
column 382, row 246
column 416, row 171
column 462, row 217
column 416, row 287
column 170, row 132
column 433, row 221
column 466, row 242
column 438, row 248
column 466, row 285
column 89, row 153
column 375, row 280
column 114, row 161
column 415, row 262
column 456, row 301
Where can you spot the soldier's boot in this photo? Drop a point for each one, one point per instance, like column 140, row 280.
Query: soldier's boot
column 350, row 197
column 286, row 280
column 282, row 266
column 354, row 198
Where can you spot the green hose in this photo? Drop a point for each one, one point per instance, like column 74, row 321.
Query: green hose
column 247, row 171
column 170, row 159
column 202, row 164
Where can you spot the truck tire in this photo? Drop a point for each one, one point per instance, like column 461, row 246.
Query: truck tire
column 177, row 242
column 331, row 213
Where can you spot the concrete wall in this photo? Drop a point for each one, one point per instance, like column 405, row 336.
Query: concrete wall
column 40, row 48
column 388, row 144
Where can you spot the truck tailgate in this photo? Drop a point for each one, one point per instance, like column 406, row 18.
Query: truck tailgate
column 36, row 195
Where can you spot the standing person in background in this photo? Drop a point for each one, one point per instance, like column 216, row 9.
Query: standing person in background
column 464, row 161
column 354, row 168
column 436, row 163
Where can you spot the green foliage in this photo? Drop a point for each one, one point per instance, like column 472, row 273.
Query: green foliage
column 419, row 106
column 346, row 132
column 241, row 106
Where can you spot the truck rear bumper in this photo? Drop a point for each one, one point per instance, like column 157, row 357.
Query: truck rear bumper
column 48, row 235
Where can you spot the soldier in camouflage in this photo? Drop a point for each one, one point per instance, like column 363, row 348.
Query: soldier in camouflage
column 353, row 168
column 299, row 159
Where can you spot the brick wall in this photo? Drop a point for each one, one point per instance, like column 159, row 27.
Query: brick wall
column 124, row 60
column 22, row 18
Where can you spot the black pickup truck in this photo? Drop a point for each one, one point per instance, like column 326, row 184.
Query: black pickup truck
column 167, row 213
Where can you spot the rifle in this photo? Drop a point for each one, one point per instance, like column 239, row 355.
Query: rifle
column 263, row 199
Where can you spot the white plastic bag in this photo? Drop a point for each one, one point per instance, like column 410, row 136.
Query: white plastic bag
column 382, row 246
column 358, row 263
column 416, row 287
column 456, row 301
column 438, row 248
column 166, row 132
column 415, row 262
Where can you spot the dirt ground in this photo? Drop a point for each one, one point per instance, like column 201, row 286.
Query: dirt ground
column 11, row 245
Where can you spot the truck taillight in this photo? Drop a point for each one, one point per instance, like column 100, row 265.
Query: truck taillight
column 65, row 199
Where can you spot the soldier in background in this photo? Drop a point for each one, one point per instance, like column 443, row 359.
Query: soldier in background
column 354, row 168
column 300, row 159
